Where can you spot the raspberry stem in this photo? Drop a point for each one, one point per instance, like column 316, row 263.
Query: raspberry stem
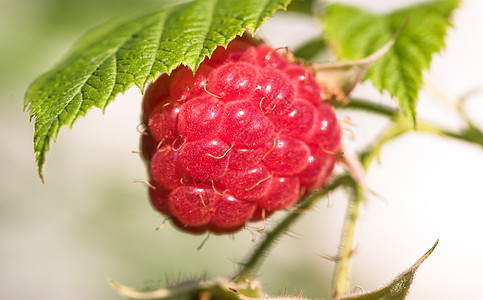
column 470, row 133
column 252, row 264
column 342, row 274
column 399, row 126
column 342, row 270
column 341, row 277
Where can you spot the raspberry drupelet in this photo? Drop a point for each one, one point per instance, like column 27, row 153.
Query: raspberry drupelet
column 247, row 135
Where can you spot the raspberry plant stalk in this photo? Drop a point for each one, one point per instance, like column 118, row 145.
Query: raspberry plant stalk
column 205, row 72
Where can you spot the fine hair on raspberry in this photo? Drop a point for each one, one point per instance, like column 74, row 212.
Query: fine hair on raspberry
column 244, row 136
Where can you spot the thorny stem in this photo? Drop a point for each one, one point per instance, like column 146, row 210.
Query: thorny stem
column 342, row 269
column 469, row 134
column 346, row 248
column 250, row 267
column 399, row 126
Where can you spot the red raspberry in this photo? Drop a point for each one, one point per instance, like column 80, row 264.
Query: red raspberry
column 245, row 136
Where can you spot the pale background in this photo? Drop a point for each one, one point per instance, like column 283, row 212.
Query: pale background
column 88, row 223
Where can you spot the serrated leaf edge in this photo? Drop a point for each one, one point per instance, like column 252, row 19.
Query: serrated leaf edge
column 35, row 97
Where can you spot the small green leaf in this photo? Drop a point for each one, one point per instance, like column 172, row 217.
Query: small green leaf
column 110, row 59
column 221, row 288
column 396, row 289
column 355, row 33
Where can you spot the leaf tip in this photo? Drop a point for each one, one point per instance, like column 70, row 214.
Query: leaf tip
column 432, row 248
column 425, row 256
column 113, row 284
column 40, row 159
column 41, row 172
column 414, row 119
column 119, row 288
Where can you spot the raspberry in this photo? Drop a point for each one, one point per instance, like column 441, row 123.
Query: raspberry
column 247, row 135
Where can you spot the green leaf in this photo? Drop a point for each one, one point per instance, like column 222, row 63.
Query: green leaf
column 355, row 33
column 396, row 289
column 221, row 288
column 340, row 78
column 303, row 6
column 311, row 49
column 124, row 52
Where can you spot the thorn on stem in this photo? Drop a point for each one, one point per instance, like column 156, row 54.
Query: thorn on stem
column 330, row 258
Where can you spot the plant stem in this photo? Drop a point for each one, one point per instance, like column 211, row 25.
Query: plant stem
column 399, row 126
column 342, row 270
column 470, row 133
column 371, row 107
column 341, row 282
column 252, row 264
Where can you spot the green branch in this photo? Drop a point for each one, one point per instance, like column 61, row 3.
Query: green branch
column 368, row 106
column 400, row 125
column 342, row 269
column 346, row 247
column 470, row 133
column 254, row 261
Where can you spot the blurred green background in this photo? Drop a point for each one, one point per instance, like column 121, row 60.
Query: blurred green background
column 88, row 223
